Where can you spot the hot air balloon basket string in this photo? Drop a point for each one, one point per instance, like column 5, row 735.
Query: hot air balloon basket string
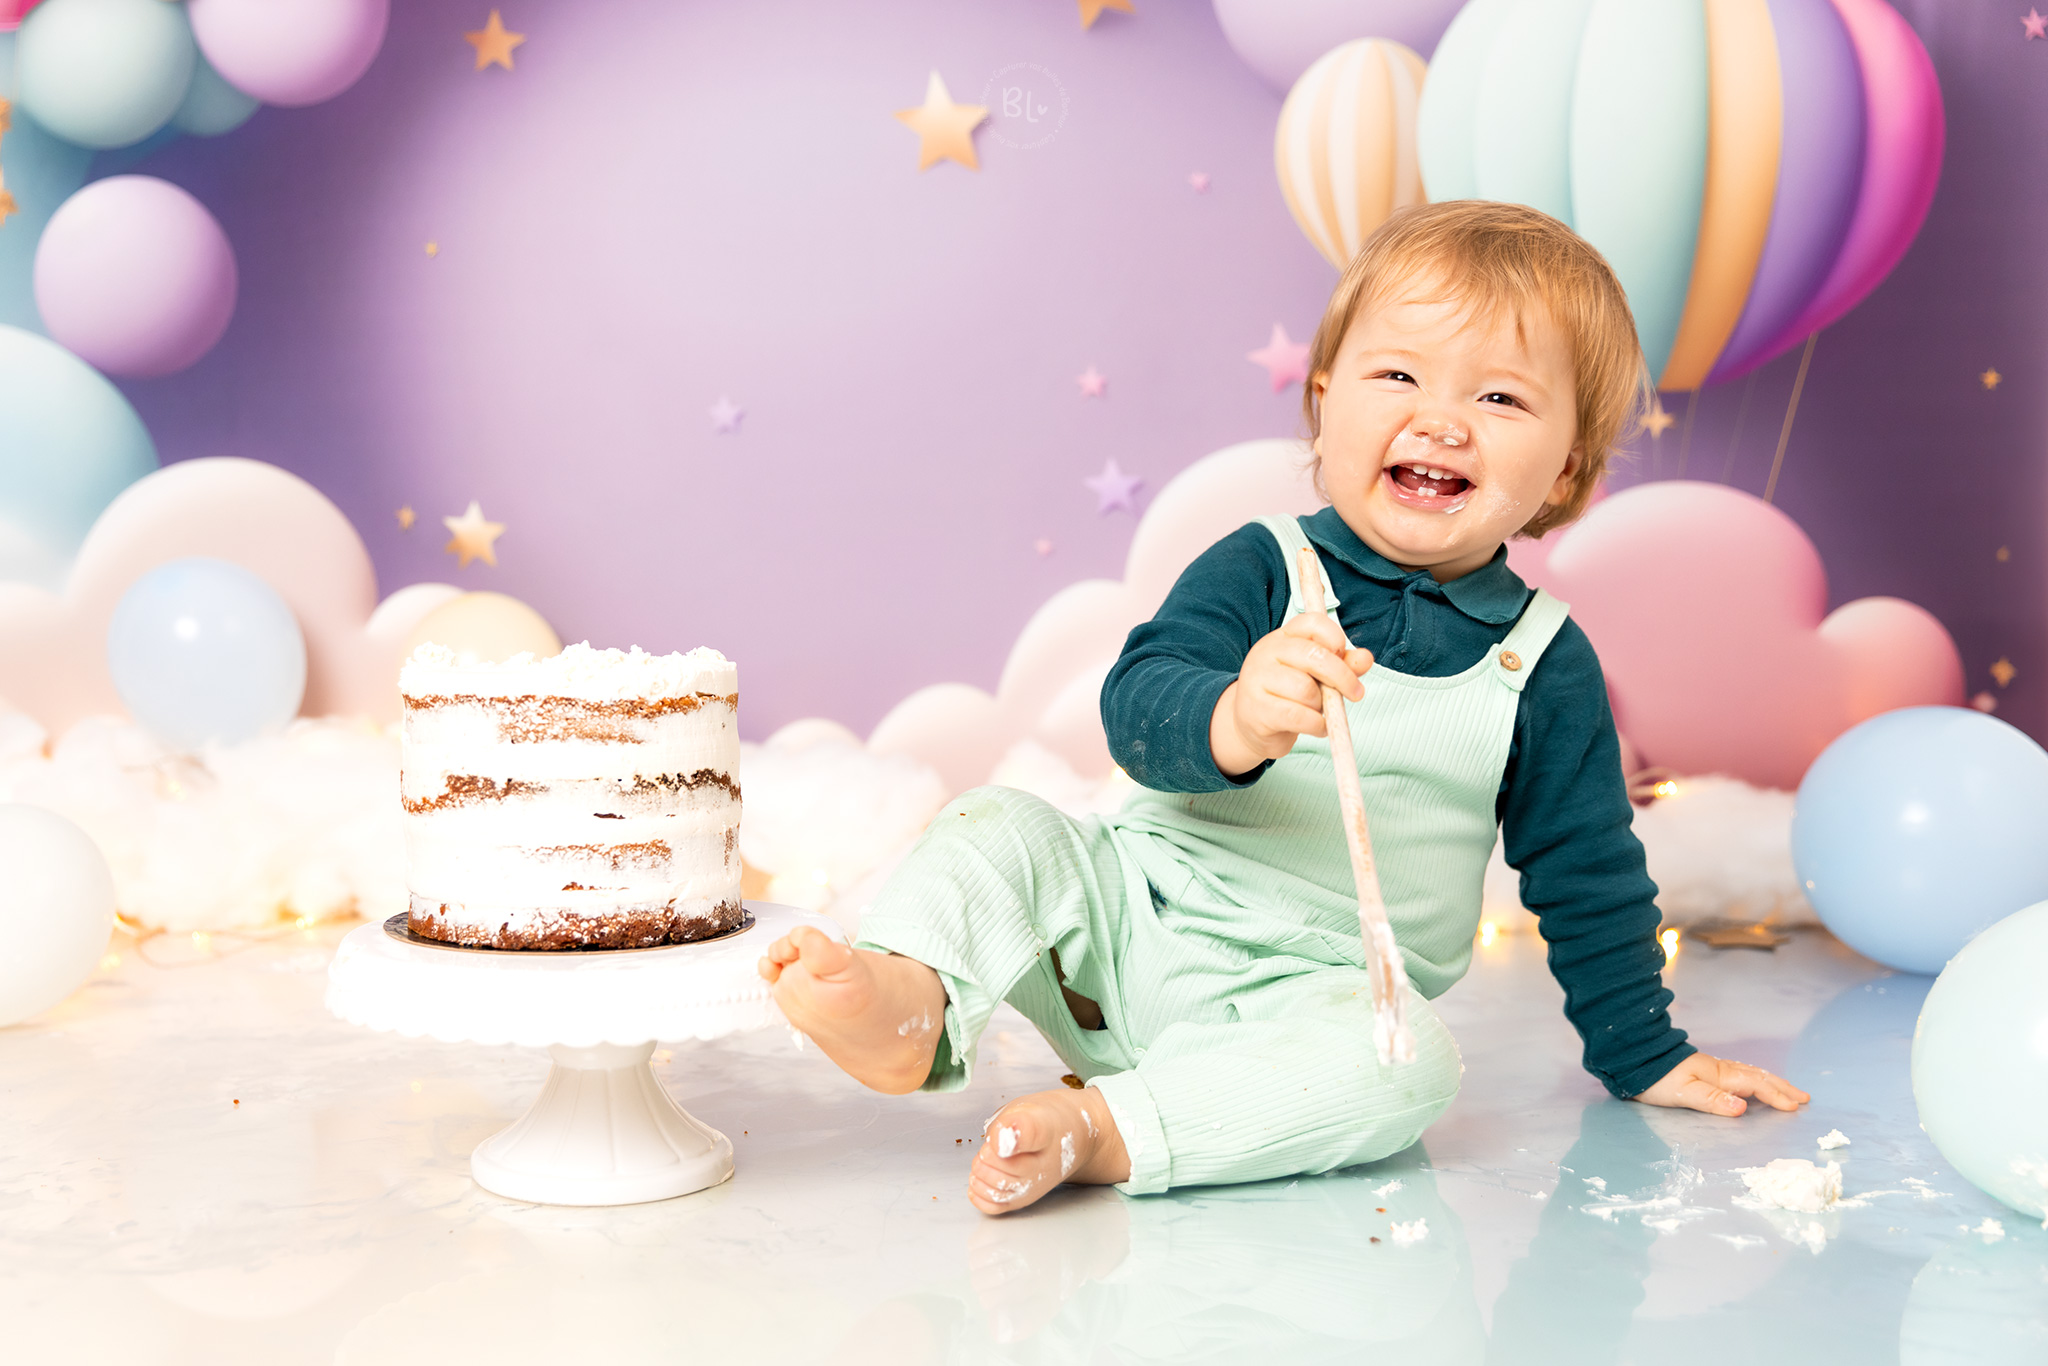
column 1692, row 408
column 1791, row 412
column 1392, row 1037
column 1735, row 437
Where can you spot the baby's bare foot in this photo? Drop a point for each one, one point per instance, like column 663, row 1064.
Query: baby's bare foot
column 1040, row 1141
column 878, row 1015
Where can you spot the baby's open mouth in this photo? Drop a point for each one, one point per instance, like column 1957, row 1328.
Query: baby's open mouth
column 1428, row 482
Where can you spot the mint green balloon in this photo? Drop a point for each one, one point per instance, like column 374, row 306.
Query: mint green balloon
column 212, row 106
column 104, row 73
column 69, row 442
column 1980, row 1061
column 1445, row 121
column 1639, row 154
column 1522, row 123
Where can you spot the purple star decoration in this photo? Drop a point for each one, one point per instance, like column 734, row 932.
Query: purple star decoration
column 1114, row 489
column 726, row 415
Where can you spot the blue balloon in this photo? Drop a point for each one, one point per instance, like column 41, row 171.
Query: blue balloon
column 42, row 171
column 1919, row 828
column 68, row 443
column 203, row 650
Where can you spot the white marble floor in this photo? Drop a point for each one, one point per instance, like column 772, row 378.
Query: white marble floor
column 198, row 1164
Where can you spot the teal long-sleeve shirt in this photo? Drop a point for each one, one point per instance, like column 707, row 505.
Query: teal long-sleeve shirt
column 1563, row 804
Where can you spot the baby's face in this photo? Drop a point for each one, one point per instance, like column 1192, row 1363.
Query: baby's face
column 1443, row 436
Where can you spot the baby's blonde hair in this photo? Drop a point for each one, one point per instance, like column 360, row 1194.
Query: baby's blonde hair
column 1491, row 257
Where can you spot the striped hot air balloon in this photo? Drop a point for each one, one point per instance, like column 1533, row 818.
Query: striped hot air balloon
column 1345, row 148
column 1751, row 168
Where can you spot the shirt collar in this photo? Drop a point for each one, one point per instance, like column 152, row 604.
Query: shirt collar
column 1492, row 593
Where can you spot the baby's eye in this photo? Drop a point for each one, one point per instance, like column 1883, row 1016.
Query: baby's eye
column 1508, row 400
column 1398, row 376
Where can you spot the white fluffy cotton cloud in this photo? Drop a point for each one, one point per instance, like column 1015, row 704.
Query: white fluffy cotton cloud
column 300, row 824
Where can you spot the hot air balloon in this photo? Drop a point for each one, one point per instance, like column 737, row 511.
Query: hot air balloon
column 1751, row 168
column 1345, row 148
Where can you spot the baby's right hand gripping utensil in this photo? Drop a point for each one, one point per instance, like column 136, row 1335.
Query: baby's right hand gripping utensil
column 1390, row 1032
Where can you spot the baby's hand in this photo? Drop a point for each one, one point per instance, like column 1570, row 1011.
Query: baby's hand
column 1278, row 694
column 1717, row 1086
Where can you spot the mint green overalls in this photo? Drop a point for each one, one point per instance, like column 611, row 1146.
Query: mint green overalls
column 1219, row 930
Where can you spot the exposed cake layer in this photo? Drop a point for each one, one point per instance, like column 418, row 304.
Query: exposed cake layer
column 589, row 800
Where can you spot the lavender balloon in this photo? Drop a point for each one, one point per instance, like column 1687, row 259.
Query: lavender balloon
column 290, row 52
column 1280, row 39
column 135, row 276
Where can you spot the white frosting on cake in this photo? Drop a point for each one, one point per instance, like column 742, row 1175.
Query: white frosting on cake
column 597, row 783
column 577, row 672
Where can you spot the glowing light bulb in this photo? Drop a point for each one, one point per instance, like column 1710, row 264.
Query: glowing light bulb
column 1488, row 932
column 201, row 940
column 304, row 922
column 110, row 962
column 1667, row 788
column 820, row 876
column 1669, row 939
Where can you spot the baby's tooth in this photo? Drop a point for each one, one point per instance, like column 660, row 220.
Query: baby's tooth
column 1422, row 470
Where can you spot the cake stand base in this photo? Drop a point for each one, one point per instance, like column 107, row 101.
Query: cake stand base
column 602, row 1133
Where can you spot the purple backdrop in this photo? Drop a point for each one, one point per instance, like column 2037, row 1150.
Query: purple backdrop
column 666, row 203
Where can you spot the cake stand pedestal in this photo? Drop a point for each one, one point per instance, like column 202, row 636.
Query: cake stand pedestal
column 603, row 1131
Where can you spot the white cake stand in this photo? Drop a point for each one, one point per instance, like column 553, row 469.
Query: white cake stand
column 603, row 1132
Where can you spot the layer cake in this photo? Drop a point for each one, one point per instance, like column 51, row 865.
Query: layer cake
column 587, row 800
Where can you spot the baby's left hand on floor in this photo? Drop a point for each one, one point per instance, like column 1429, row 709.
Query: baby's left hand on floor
column 1716, row 1086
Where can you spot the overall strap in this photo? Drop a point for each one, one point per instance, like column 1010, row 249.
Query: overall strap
column 1287, row 531
column 1515, row 658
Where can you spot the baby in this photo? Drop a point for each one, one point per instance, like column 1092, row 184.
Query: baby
column 1195, row 959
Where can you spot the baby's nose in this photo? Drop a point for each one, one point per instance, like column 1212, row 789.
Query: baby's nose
column 1443, row 433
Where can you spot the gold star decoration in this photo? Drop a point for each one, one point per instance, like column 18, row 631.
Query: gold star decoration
column 1991, row 378
column 406, row 517
column 472, row 537
column 493, row 43
column 8, row 208
column 2003, row 671
column 2004, row 553
column 945, row 130
column 1091, row 10
column 433, row 248
column 1656, row 422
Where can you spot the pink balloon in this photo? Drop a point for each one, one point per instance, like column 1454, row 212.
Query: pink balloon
column 1906, row 131
column 289, row 52
column 134, row 276
column 12, row 12
column 1709, row 609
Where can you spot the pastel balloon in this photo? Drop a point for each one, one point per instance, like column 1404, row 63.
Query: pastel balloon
column 1345, row 147
column 485, row 628
column 1980, row 1063
column 212, row 106
column 12, row 12
column 69, row 442
column 1709, row 609
column 202, row 651
column 1751, row 168
column 135, row 276
column 40, row 171
column 1917, row 829
column 1280, row 39
column 104, row 73
column 290, row 52
column 56, row 910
